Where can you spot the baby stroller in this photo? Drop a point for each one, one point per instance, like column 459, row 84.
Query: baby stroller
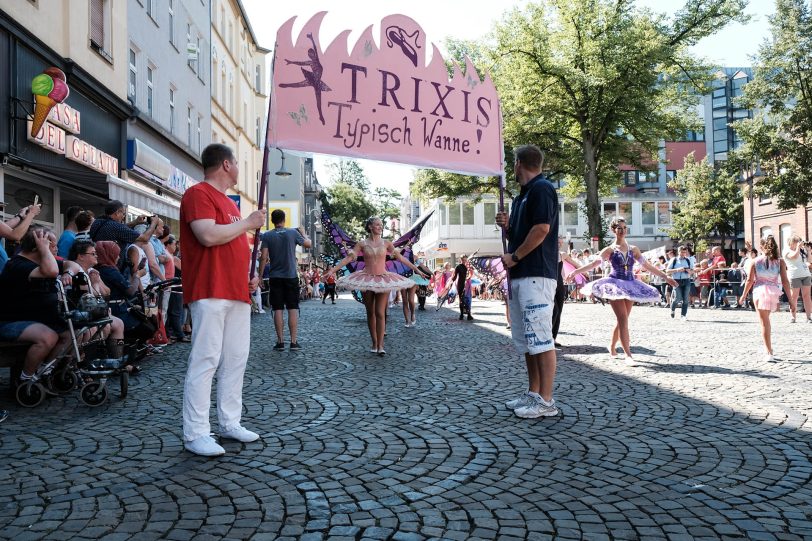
column 84, row 362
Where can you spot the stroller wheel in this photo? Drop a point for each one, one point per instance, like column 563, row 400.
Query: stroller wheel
column 30, row 394
column 124, row 384
column 93, row 394
column 64, row 380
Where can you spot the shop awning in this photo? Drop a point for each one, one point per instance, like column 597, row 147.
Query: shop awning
column 143, row 198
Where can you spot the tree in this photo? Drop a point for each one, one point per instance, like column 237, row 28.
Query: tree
column 347, row 206
column 430, row 183
column 711, row 201
column 779, row 138
column 597, row 83
column 348, row 172
column 387, row 202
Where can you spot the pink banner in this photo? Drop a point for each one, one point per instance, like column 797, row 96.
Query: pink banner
column 382, row 103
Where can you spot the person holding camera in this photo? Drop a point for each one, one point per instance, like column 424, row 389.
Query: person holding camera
column 111, row 226
column 680, row 268
column 15, row 228
column 796, row 256
column 217, row 287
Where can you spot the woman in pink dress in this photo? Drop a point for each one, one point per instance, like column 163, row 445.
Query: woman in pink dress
column 374, row 281
column 766, row 276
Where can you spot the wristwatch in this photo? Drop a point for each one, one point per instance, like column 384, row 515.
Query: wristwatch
column 514, row 257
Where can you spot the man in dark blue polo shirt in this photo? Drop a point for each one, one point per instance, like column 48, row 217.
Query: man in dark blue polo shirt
column 532, row 263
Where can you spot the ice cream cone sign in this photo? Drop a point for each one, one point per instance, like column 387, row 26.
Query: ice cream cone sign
column 49, row 88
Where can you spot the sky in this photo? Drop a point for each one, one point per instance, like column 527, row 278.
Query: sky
column 734, row 46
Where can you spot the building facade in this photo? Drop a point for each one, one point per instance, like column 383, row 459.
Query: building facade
column 167, row 83
column 79, row 152
column 239, row 92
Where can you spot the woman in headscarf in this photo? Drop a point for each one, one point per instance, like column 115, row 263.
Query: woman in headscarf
column 121, row 288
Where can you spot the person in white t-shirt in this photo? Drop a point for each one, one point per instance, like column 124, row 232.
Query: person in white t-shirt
column 796, row 257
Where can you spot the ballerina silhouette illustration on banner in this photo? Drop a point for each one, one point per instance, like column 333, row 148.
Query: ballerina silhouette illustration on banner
column 382, row 100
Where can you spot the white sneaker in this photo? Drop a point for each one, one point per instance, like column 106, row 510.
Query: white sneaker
column 683, row 318
column 769, row 358
column 537, row 409
column 240, row 434
column 522, row 401
column 204, row 446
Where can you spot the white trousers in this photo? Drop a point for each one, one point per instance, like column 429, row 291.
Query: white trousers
column 221, row 336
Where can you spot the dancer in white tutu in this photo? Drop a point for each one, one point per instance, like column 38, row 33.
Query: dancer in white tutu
column 373, row 279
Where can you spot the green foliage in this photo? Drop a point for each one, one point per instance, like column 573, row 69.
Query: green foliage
column 348, row 172
column 597, row 83
column 387, row 202
column 711, row 201
column 430, row 183
column 349, row 207
column 779, row 139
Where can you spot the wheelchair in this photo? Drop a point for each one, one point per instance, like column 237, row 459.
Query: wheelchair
column 82, row 363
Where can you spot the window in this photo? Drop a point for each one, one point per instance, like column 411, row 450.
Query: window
column 223, row 95
column 720, row 124
column 151, row 8
column 719, row 92
column 189, row 61
column 663, row 213
column 442, row 214
column 258, row 132
column 171, row 22
column 467, row 213
column 490, row 213
column 670, row 175
column 171, row 110
column 784, row 233
column 199, row 140
column 609, row 211
column 765, row 231
column 99, row 37
column 454, row 217
column 245, row 114
column 131, row 86
column 720, row 146
column 570, row 213
column 258, row 77
column 150, row 72
column 647, row 213
column 719, row 102
column 189, row 126
column 629, row 178
column 624, row 208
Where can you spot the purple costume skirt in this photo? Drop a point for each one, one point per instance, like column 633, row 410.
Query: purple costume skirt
column 612, row 289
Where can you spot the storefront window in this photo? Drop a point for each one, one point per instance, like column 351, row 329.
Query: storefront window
column 20, row 193
column 490, row 213
column 648, row 213
column 467, row 214
column 625, row 209
column 454, row 217
column 570, row 213
column 609, row 211
column 442, row 213
column 663, row 213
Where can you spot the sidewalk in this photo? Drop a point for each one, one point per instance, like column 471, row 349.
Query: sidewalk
column 699, row 439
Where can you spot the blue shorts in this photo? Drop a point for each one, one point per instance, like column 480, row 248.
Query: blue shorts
column 10, row 331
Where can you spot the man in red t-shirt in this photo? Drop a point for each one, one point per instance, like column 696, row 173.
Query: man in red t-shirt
column 217, row 288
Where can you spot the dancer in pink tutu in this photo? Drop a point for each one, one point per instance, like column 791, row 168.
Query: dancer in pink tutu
column 766, row 276
column 621, row 288
column 374, row 280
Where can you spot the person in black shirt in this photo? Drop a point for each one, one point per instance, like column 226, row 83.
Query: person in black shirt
column 111, row 226
column 532, row 263
column 460, row 276
column 30, row 309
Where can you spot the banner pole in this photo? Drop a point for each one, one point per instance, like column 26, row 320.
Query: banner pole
column 263, row 179
column 502, row 186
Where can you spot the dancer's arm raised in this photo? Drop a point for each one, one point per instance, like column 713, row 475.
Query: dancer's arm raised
column 605, row 253
column 397, row 255
column 651, row 268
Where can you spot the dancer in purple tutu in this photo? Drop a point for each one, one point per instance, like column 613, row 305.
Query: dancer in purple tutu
column 621, row 288
column 374, row 281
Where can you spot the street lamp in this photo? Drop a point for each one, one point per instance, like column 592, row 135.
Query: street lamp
column 282, row 171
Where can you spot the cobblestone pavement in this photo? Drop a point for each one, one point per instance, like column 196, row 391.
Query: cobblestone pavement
column 699, row 439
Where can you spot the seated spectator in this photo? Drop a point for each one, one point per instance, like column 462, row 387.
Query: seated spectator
column 84, row 221
column 69, row 233
column 15, row 228
column 734, row 277
column 111, row 226
column 83, row 252
column 30, row 308
column 121, row 288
